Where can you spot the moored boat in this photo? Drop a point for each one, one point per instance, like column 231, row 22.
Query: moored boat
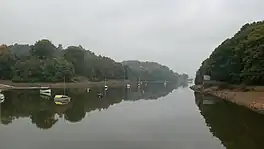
column 46, row 92
column 62, row 99
column 2, row 98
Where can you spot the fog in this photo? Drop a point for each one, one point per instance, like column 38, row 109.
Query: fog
column 176, row 33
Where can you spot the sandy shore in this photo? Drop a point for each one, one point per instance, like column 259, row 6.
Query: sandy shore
column 253, row 99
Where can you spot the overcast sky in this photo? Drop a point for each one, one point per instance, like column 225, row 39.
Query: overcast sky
column 176, row 33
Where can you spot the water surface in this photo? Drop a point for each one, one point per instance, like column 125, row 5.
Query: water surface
column 153, row 117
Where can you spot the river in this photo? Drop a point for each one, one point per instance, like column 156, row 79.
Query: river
column 153, row 117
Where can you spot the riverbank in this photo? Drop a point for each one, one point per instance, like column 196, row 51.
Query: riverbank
column 6, row 84
column 249, row 97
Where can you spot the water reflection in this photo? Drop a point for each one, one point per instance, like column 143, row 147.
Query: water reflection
column 236, row 127
column 44, row 113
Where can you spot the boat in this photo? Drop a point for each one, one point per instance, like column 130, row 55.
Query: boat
column 165, row 83
column 46, row 92
column 128, row 85
column 88, row 90
column 105, row 86
column 62, row 99
column 2, row 98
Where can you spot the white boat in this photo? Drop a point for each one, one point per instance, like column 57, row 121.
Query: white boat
column 46, row 92
column 88, row 90
column 128, row 86
column 62, row 99
column 2, row 98
column 106, row 87
column 165, row 83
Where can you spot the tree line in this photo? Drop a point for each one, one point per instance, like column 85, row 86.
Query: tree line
column 238, row 60
column 45, row 62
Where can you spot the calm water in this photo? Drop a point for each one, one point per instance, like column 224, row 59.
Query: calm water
column 155, row 117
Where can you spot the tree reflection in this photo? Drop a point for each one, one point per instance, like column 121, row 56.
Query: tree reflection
column 236, row 127
column 43, row 111
column 43, row 119
column 76, row 113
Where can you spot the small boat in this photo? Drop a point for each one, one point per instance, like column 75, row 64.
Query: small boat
column 62, row 99
column 165, row 83
column 2, row 98
column 88, row 90
column 128, row 85
column 106, row 87
column 46, row 92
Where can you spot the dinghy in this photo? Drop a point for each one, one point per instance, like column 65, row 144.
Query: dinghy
column 46, row 92
column 2, row 98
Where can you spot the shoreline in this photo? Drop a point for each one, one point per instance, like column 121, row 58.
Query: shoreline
column 252, row 99
column 6, row 84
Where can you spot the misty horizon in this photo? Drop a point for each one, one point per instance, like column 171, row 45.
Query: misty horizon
column 178, row 34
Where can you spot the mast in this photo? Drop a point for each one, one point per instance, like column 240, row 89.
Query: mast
column 64, row 86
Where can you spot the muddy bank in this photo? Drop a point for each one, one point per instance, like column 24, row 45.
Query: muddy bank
column 252, row 99
column 112, row 83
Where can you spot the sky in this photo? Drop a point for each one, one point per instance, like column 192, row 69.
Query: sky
column 176, row 33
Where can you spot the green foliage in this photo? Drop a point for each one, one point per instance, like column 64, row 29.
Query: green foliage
column 239, row 59
column 75, row 55
column 6, row 62
column 43, row 62
column 48, row 70
column 43, row 49
column 20, row 50
column 151, row 71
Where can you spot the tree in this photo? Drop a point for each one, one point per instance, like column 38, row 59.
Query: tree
column 43, row 119
column 238, row 60
column 43, row 62
column 60, row 47
column 43, row 49
column 20, row 50
column 75, row 55
column 6, row 62
column 151, row 71
column 48, row 70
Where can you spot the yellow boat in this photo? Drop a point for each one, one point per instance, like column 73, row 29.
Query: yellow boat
column 62, row 99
